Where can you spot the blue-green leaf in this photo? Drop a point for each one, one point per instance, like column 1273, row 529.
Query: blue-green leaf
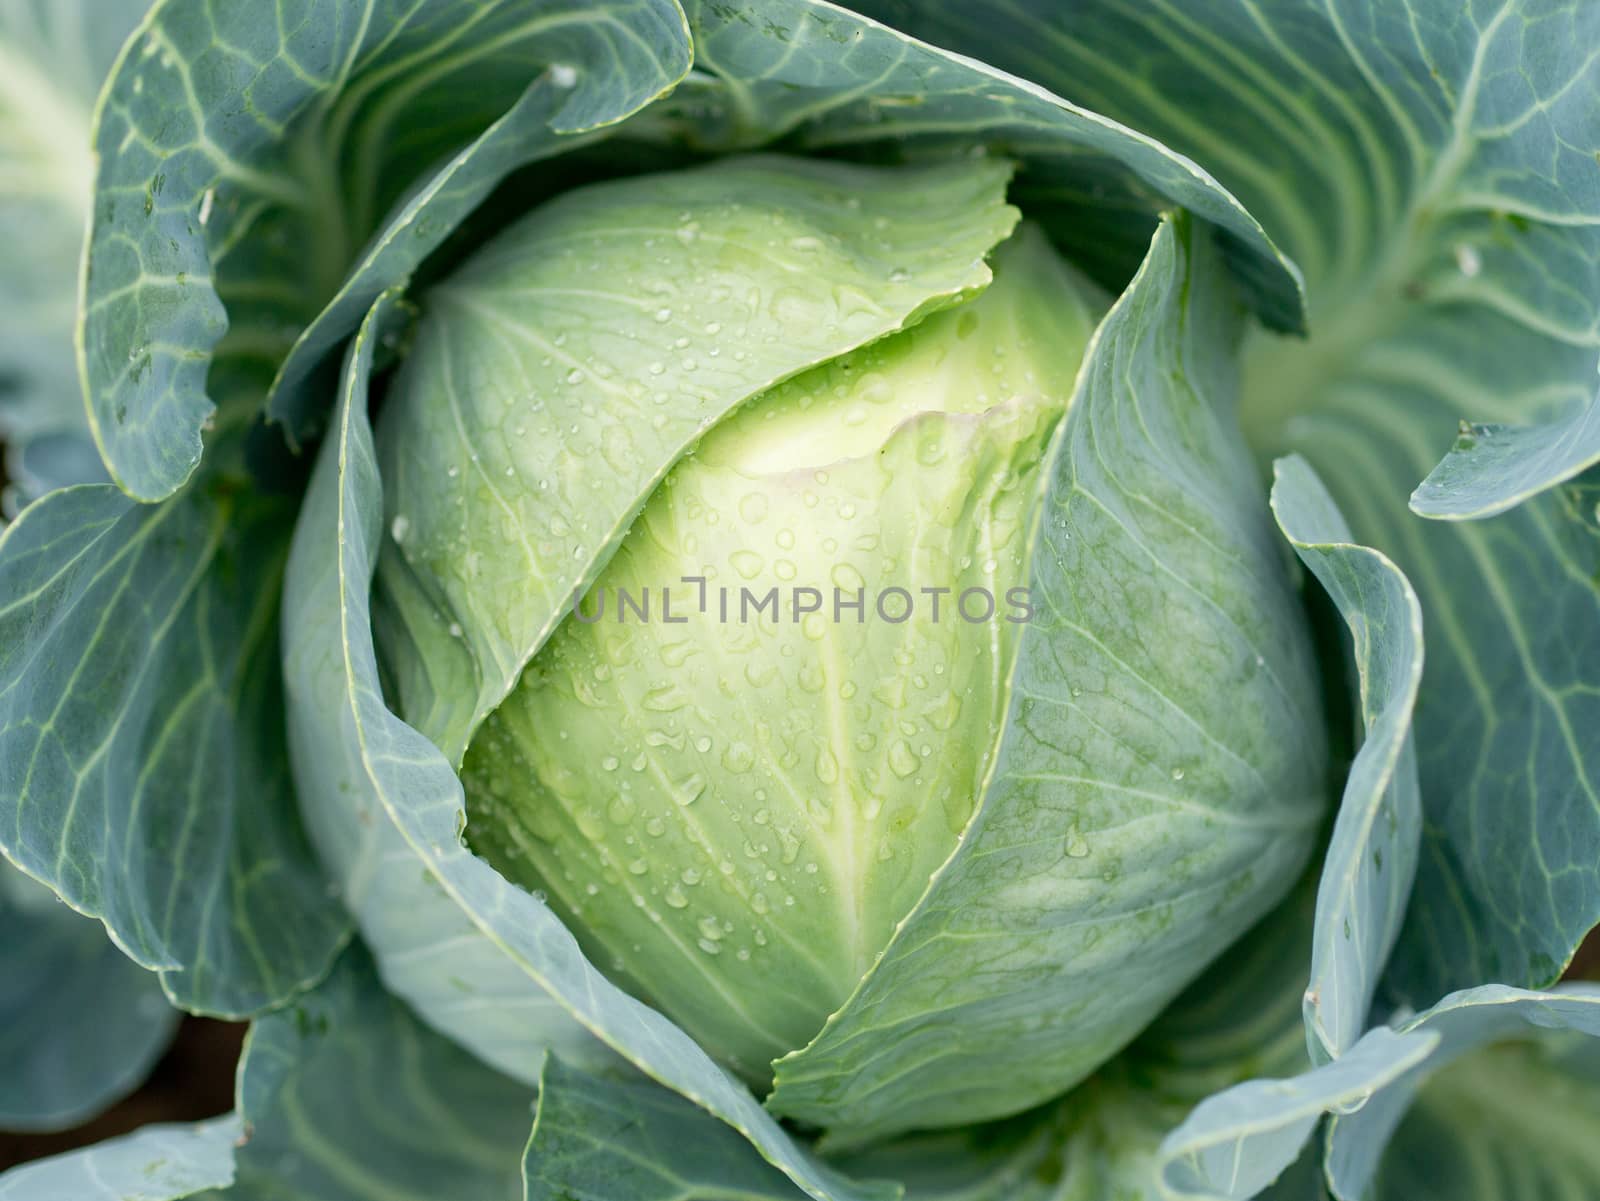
column 1236, row 1143
column 839, row 82
column 244, row 165
column 157, row 1163
column 245, row 155
column 47, row 461
column 345, row 1094
column 1369, row 865
column 435, row 206
column 1515, row 1119
column 80, row 1022
column 1233, row 1144
column 1431, row 166
column 597, row 1139
column 341, row 1094
column 1492, row 468
column 142, row 766
column 1457, row 1026
column 430, row 949
column 53, row 55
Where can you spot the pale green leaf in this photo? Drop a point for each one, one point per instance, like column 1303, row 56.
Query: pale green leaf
column 401, row 778
column 556, row 377
column 831, row 760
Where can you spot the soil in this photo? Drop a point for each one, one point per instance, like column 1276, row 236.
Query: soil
column 194, row 1080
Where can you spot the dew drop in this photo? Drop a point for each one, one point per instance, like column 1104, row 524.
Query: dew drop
column 902, row 759
column 752, row 507
column 827, row 766
column 788, row 847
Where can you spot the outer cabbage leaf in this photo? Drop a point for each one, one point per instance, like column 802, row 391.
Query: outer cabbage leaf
column 1140, row 804
column 1240, row 1138
column 422, row 220
column 596, row 1139
column 157, row 1163
column 1368, row 869
column 1238, row 1141
column 1514, row 1119
column 1458, row 1025
column 1431, row 167
column 142, row 766
column 247, row 151
column 346, row 1094
column 53, row 55
column 834, row 81
column 341, row 1094
column 429, row 949
column 1473, row 1134
column 80, row 1023
column 1494, row 468
column 236, row 148
column 397, row 776
column 1103, row 1142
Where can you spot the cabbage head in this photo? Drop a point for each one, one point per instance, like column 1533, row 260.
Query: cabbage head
column 678, row 599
